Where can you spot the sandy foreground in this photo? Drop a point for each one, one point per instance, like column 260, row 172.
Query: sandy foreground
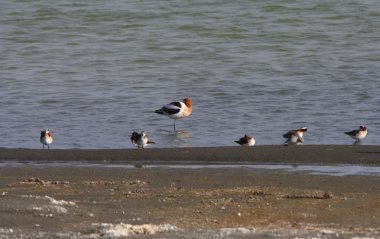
column 84, row 201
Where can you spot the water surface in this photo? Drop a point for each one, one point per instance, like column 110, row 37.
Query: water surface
column 93, row 72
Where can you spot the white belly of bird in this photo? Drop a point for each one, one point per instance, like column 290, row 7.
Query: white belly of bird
column 181, row 114
column 361, row 135
column 142, row 141
column 294, row 139
column 47, row 140
column 251, row 142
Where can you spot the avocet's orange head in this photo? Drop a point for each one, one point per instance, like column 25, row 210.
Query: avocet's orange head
column 187, row 102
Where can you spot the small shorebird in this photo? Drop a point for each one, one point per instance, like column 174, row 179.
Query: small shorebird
column 358, row 134
column 140, row 140
column 176, row 110
column 46, row 138
column 295, row 136
column 247, row 140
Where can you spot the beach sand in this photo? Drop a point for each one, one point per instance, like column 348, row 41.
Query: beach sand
column 81, row 199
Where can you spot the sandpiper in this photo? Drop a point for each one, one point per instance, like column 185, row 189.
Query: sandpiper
column 295, row 136
column 46, row 138
column 140, row 140
column 247, row 140
column 358, row 134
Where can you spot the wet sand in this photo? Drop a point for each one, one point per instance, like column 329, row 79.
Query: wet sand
column 305, row 154
column 272, row 202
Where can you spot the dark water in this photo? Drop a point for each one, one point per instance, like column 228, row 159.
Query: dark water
column 336, row 170
column 94, row 71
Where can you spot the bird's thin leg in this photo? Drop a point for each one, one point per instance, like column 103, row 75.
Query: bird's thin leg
column 174, row 126
column 48, row 146
column 43, row 146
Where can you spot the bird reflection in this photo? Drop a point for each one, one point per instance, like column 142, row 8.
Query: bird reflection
column 182, row 134
column 179, row 138
column 357, row 143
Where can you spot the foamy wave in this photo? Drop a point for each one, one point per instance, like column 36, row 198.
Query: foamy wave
column 47, row 209
column 125, row 230
column 235, row 231
column 6, row 230
column 51, row 200
column 59, row 202
column 50, row 209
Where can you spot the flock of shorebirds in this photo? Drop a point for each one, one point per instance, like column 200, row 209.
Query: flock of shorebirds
column 182, row 109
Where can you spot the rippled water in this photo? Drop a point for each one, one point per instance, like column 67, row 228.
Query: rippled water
column 94, row 71
column 338, row 170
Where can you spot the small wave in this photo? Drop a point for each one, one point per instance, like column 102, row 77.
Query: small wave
column 109, row 230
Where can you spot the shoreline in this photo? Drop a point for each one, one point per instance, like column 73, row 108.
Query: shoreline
column 271, row 154
column 90, row 202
